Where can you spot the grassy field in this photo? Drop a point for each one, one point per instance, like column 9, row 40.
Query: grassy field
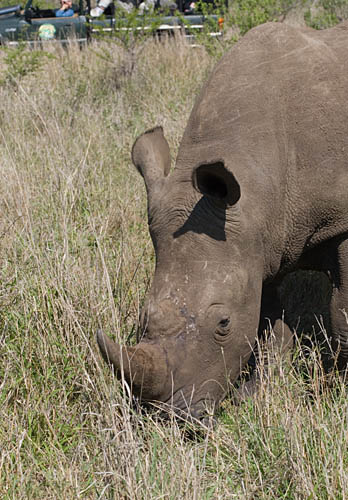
column 76, row 255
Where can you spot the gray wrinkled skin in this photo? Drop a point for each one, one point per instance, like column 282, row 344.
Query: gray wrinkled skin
column 259, row 189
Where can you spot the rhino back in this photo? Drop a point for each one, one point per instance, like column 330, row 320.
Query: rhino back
column 275, row 110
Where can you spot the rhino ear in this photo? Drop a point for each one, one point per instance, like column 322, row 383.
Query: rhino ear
column 215, row 181
column 151, row 156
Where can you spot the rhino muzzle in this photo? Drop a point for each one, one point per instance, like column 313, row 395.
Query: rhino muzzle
column 144, row 366
column 146, row 370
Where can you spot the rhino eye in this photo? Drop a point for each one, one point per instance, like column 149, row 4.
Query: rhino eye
column 224, row 323
column 223, row 327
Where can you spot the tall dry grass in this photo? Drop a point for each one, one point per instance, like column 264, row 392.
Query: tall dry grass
column 75, row 256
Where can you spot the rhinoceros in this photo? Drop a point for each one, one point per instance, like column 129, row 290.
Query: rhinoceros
column 259, row 189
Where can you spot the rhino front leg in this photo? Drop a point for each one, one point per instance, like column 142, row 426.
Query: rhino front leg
column 273, row 329
column 339, row 307
column 275, row 338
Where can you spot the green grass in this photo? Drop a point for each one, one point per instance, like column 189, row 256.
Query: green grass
column 75, row 256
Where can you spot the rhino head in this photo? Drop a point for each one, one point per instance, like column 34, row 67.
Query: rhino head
column 200, row 317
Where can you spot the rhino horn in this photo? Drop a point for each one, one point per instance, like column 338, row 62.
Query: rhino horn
column 151, row 156
column 144, row 365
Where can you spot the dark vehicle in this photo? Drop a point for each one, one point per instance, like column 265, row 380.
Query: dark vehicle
column 34, row 24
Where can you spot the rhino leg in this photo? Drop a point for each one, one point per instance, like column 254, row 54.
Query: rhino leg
column 274, row 338
column 273, row 328
column 339, row 307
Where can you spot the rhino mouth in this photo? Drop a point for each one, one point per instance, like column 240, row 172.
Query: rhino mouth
column 185, row 411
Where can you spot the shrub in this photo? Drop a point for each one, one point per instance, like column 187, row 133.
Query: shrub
column 21, row 61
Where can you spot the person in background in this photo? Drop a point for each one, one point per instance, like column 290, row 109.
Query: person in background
column 65, row 9
column 189, row 7
column 99, row 9
column 128, row 6
column 150, row 5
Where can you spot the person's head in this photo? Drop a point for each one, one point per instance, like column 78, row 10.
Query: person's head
column 68, row 3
